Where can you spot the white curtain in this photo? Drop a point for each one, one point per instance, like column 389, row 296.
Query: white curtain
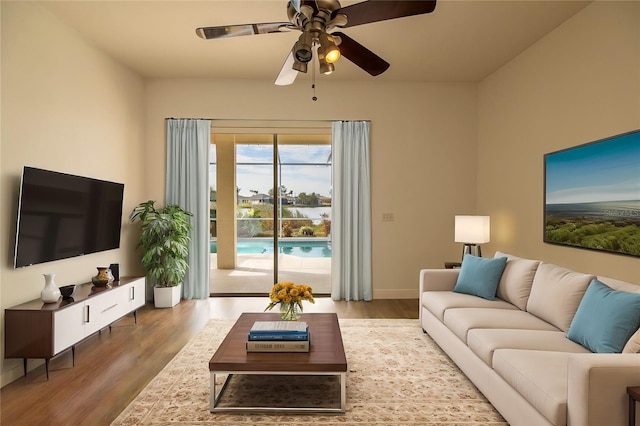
column 351, row 212
column 187, row 185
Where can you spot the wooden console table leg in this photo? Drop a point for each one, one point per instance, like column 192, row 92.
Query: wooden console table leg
column 46, row 367
column 634, row 397
column 73, row 355
column 24, row 366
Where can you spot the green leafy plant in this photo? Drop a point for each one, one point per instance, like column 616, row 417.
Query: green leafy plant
column 165, row 242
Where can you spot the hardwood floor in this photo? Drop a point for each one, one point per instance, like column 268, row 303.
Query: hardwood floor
column 112, row 367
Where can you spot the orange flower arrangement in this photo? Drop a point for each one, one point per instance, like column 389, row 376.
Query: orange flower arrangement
column 289, row 294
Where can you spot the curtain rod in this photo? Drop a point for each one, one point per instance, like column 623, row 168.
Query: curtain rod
column 189, row 118
column 272, row 120
column 241, row 125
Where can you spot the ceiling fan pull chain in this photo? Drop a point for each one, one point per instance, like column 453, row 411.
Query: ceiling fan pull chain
column 313, row 83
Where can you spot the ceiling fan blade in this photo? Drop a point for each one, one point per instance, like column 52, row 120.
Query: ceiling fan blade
column 382, row 10
column 208, row 33
column 287, row 73
column 360, row 55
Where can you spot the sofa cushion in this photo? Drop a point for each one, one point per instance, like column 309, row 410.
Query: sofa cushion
column 437, row 302
column 484, row 341
column 605, row 319
column 556, row 294
column 480, row 276
column 539, row 376
column 517, row 278
column 461, row 320
column 633, row 344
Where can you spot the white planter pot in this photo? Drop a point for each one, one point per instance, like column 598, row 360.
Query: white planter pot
column 167, row 297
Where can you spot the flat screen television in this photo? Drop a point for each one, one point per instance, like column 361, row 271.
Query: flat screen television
column 62, row 216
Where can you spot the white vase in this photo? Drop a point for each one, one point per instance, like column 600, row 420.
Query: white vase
column 50, row 293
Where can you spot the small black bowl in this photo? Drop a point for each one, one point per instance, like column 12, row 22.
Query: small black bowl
column 67, row 291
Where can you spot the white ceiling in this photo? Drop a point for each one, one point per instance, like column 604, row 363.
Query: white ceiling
column 462, row 40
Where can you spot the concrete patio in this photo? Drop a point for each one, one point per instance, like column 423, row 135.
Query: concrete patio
column 254, row 274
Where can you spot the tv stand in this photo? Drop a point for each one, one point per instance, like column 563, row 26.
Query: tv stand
column 45, row 330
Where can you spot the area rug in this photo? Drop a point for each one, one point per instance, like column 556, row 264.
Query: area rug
column 396, row 376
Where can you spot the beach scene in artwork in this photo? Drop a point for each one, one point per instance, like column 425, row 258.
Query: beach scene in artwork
column 592, row 195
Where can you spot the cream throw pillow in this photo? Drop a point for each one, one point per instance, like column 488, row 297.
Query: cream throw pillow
column 556, row 294
column 517, row 279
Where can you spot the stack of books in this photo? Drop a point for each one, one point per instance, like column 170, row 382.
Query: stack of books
column 278, row 336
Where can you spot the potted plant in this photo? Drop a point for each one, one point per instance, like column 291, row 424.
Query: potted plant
column 165, row 242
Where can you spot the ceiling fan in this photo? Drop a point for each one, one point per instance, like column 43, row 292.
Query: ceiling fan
column 316, row 19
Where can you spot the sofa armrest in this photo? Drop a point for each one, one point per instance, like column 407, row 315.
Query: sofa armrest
column 597, row 388
column 438, row 279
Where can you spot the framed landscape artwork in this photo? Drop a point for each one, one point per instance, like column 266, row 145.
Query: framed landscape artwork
column 592, row 195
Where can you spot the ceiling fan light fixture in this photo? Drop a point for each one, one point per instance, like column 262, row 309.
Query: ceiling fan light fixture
column 326, row 68
column 328, row 48
column 302, row 49
column 332, row 55
column 299, row 66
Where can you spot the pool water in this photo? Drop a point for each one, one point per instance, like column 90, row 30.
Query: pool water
column 295, row 247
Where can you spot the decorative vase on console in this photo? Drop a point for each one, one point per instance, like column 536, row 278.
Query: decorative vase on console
column 102, row 279
column 50, row 293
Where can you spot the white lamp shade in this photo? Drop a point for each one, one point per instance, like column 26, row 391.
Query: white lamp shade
column 472, row 229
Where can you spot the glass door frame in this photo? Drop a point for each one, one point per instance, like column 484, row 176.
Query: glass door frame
column 318, row 128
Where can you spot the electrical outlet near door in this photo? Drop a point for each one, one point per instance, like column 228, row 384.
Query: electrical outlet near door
column 387, row 217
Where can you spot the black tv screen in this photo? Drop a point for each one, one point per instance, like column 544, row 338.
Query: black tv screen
column 62, row 215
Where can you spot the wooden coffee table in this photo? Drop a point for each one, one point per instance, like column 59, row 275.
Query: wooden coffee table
column 325, row 358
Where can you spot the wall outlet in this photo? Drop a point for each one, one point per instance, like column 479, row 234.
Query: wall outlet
column 387, row 217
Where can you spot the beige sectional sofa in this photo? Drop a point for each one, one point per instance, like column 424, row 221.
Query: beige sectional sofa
column 515, row 348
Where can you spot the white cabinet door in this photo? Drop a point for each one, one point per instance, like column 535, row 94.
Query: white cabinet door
column 104, row 309
column 68, row 327
column 136, row 292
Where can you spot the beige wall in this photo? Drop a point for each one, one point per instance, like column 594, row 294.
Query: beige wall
column 578, row 84
column 423, row 153
column 65, row 107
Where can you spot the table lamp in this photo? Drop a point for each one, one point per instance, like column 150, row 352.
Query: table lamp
column 471, row 231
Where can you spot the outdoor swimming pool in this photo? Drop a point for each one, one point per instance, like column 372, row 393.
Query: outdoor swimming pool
column 299, row 247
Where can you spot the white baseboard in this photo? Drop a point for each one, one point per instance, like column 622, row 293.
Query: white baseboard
column 408, row 293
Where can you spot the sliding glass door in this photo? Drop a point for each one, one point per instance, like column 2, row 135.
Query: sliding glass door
column 279, row 192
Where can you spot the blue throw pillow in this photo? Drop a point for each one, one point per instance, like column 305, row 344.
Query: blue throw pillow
column 605, row 319
column 480, row 276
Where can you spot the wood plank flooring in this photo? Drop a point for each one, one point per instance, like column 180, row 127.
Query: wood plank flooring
column 112, row 367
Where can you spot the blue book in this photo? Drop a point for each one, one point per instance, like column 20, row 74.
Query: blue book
column 282, row 337
column 279, row 330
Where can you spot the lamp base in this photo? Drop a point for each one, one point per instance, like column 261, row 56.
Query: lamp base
column 472, row 249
